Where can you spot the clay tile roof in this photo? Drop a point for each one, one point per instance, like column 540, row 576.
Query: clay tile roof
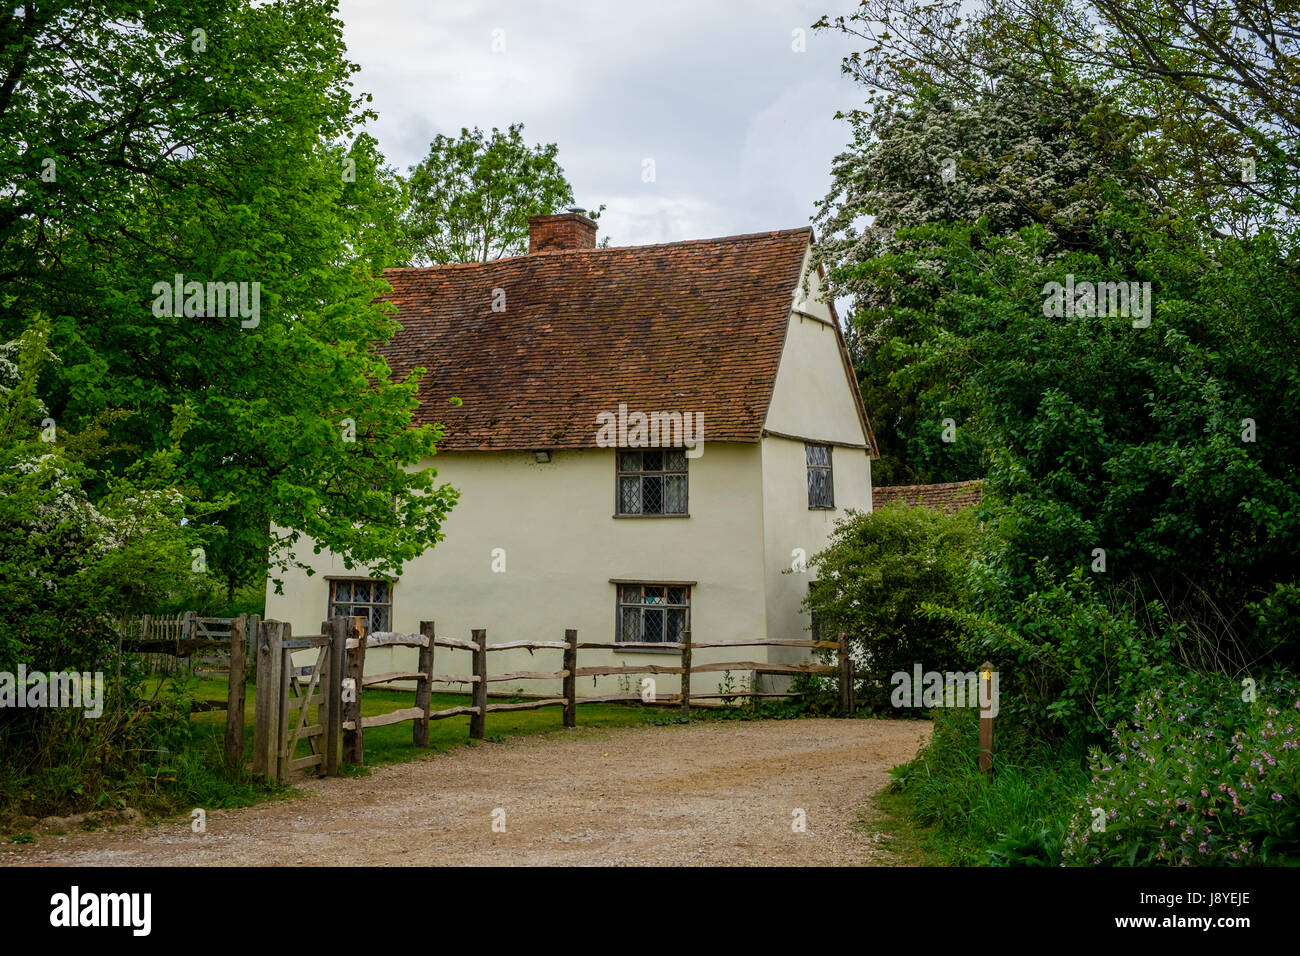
column 686, row 326
column 949, row 497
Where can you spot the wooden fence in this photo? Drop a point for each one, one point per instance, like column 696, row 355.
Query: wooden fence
column 355, row 679
column 354, row 725
column 334, row 683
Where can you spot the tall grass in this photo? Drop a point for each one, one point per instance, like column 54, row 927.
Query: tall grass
column 1018, row 816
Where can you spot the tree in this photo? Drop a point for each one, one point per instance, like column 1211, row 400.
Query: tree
column 471, row 197
column 1142, row 515
column 1025, row 152
column 218, row 142
column 1216, row 85
column 1142, row 520
column 71, row 568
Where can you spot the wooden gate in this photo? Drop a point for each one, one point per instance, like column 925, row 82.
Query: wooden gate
column 286, row 693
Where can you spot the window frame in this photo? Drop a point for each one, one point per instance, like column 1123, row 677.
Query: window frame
column 620, row 604
column 330, row 602
column 828, row 469
column 662, row 473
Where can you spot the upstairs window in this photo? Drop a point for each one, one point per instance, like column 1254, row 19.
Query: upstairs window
column 652, row 481
column 821, row 484
column 364, row 598
column 652, row 613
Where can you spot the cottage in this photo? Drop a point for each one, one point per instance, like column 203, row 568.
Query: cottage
column 573, row 512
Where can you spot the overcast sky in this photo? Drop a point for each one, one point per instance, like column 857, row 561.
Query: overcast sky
column 739, row 126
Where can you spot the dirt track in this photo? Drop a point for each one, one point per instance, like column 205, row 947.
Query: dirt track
column 715, row 793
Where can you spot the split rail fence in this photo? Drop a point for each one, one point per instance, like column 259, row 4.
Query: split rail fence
column 277, row 735
column 334, row 682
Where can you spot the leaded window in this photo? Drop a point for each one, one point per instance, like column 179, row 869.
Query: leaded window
column 653, row 613
column 652, row 481
column 364, row 598
column 821, row 484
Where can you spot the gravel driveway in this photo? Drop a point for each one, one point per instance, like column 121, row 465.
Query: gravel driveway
column 705, row 793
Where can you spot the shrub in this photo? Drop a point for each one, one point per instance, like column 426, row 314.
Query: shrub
column 872, row 579
column 1198, row 777
column 1073, row 655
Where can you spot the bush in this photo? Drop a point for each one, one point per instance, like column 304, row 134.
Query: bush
column 1199, row 777
column 872, row 579
column 1073, row 656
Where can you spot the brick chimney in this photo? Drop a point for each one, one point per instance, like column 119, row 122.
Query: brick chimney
column 568, row 230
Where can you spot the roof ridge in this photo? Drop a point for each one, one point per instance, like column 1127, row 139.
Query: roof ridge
column 742, row 237
column 938, row 484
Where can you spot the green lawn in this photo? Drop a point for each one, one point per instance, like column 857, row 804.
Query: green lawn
column 392, row 744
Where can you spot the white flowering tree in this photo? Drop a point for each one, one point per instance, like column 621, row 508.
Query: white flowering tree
column 72, row 567
column 1027, row 152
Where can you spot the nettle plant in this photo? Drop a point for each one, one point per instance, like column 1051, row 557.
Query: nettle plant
column 1203, row 775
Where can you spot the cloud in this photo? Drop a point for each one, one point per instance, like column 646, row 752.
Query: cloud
column 739, row 125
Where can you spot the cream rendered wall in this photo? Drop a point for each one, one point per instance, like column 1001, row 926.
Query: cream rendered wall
column 813, row 399
column 561, row 548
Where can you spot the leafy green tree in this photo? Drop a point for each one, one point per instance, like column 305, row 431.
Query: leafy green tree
column 471, row 197
column 1135, row 458
column 218, row 141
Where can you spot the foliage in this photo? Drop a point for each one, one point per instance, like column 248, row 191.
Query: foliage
column 1140, row 480
column 1144, row 457
column 1027, row 152
column 144, row 752
column 1199, row 777
column 219, row 141
column 1015, row 818
column 1072, row 655
column 471, row 197
column 819, row 694
column 1212, row 85
column 72, row 568
column 873, row 577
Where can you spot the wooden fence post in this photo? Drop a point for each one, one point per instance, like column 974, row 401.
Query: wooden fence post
column 266, row 718
column 354, row 744
column 235, row 695
column 987, row 691
column 254, row 628
column 571, row 682
column 424, row 688
column 323, row 708
column 846, row 676
column 187, row 630
column 686, row 673
column 333, row 694
column 283, row 747
column 478, row 721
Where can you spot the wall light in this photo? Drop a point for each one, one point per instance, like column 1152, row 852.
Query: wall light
column 542, row 456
